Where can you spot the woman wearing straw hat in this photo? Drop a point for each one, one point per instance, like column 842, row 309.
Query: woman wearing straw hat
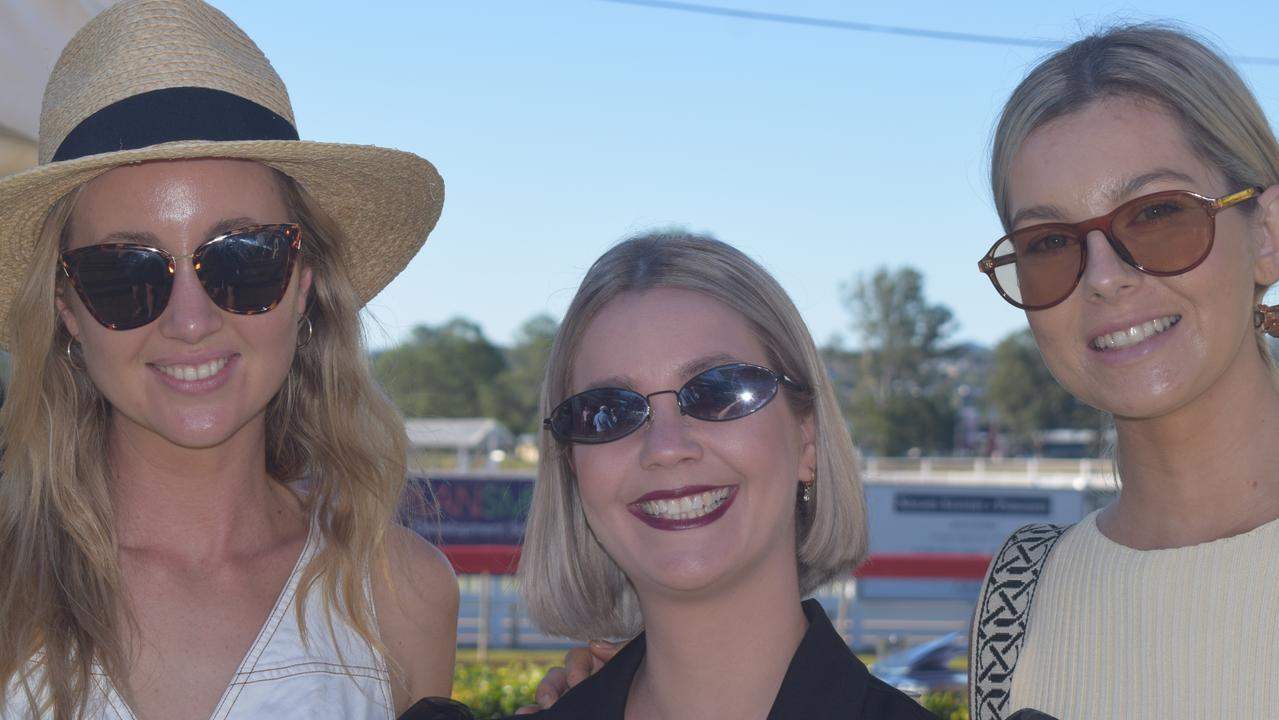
column 199, row 477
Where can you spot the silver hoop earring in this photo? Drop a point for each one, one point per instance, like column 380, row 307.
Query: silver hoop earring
column 310, row 331
column 71, row 359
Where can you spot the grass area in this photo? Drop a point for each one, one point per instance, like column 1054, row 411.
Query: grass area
column 506, row 656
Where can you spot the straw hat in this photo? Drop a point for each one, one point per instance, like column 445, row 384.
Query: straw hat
column 176, row 79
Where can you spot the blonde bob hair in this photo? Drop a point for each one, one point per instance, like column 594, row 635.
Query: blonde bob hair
column 329, row 424
column 1181, row 74
column 572, row 587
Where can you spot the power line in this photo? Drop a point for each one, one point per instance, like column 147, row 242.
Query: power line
column 852, row 26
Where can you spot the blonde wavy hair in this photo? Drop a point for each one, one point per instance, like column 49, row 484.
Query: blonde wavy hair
column 329, row 424
column 1160, row 63
column 572, row 587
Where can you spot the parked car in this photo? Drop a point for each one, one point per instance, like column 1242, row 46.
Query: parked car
column 936, row 666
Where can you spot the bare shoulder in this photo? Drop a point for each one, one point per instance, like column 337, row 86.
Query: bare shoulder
column 416, row 599
column 415, row 561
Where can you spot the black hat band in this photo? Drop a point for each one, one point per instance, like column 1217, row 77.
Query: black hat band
column 170, row 115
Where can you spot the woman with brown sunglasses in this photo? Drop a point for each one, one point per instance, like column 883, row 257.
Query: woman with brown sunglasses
column 199, row 478
column 1138, row 181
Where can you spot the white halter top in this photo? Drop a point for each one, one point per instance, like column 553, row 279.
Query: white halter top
column 331, row 675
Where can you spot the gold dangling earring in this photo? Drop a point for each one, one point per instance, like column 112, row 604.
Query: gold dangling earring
column 310, row 331
column 1266, row 319
column 806, row 489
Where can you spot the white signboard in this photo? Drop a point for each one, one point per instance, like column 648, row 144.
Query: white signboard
column 915, row 518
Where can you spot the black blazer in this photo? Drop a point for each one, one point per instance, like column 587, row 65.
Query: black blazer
column 825, row 680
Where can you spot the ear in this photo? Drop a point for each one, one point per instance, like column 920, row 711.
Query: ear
column 1266, row 250
column 808, row 452
column 64, row 312
column 304, row 290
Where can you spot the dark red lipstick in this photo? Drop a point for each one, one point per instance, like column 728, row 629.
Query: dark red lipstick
column 664, row 523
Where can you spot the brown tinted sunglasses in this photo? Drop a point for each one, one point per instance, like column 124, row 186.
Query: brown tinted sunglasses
column 1164, row 233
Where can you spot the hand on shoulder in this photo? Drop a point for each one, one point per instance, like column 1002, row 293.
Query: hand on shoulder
column 579, row 663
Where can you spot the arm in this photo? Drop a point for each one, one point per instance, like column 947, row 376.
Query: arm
column 416, row 601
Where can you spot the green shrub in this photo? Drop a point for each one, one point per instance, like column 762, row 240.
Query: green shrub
column 947, row 706
column 497, row 690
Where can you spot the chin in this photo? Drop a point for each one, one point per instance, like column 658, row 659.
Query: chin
column 198, row 430
column 687, row 576
column 1148, row 393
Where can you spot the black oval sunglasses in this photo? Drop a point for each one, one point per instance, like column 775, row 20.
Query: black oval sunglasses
column 724, row 392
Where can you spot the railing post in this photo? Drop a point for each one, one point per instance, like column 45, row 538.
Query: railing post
column 514, row 609
column 486, row 593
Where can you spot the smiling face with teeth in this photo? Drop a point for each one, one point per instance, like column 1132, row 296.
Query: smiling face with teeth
column 1133, row 344
column 198, row 376
column 682, row 504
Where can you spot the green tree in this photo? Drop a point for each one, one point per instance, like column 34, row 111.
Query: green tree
column 443, row 371
column 900, row 400
column 1026, row 397
column 901, row 332
column 513, row 397
column 903, row 423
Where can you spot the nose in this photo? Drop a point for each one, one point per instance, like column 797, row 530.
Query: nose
column 1106, row 275
column 668, row 439
column 190, row 315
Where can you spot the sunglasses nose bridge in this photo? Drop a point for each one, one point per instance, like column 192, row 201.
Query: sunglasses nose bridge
column 194, row 258
column 649, row 399
column 1116, row 245
column 668, row 440
column 1109, row 269
column 190, row 313
column 1105, row 226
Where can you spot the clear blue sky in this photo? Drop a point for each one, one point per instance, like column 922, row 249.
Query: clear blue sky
column 562, row 126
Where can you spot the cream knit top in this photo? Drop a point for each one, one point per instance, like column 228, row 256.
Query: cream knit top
column 1180, row 633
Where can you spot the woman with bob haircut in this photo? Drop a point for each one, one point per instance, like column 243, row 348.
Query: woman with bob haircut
column 718, row 487
column 199, row 477
column 1138, row 181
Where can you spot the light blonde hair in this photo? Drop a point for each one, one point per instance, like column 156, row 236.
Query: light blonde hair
column 1180, row 73
column 329, row 424
column 572, row 587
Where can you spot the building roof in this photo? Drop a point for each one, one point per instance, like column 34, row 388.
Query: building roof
column 31, row 36
column 451, row 433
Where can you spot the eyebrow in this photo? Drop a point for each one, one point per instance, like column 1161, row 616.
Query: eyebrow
column 139, row 237
column 222, row 227
column 130, row 236
column 686, row 370
column 1125, row 191
column 706, row 362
